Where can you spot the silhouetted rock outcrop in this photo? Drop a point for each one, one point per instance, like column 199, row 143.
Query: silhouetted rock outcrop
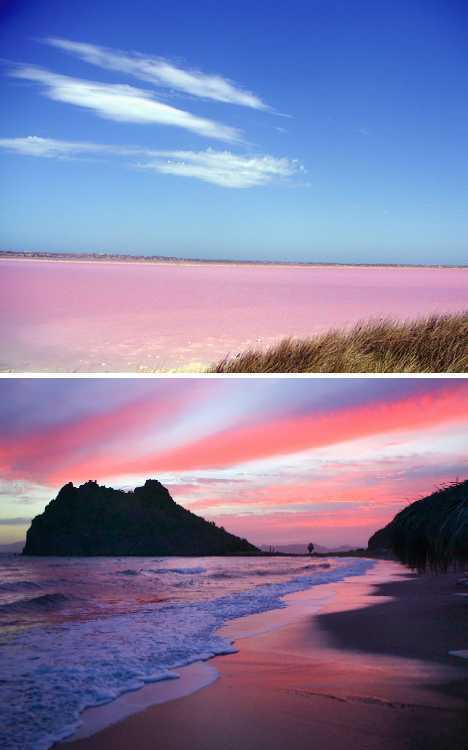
column 96, row 520
column 431, row 532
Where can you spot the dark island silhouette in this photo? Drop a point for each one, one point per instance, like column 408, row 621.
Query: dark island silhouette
column 95, row 520
column 431, row 533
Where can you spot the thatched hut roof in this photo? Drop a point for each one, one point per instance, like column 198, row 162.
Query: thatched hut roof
column 431, row 533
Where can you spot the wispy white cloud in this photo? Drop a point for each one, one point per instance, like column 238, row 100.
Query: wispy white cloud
column 222, row 168
column 161, row 72
column 122, row 103
column 33, row 145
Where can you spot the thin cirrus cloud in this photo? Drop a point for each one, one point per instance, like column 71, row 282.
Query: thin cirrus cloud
column 50, row 148
column 15, row 521
column 161, row 72
column 122, row 103
column 222, row 168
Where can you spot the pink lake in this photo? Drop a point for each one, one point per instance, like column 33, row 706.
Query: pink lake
column 122, row 317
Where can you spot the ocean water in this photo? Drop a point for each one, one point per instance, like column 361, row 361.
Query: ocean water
column 79, row 632
column 122, row 317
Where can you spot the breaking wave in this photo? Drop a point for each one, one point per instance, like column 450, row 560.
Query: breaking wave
column 178, row 571
column 15, row 586
column 41, row 603
column 51, row 672
column 267, row 571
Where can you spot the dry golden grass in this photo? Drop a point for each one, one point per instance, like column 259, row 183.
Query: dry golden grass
column 435, row 344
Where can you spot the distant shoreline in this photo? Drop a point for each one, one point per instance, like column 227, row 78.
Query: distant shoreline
column 111, row 258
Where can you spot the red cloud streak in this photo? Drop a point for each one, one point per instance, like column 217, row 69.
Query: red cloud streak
column 286, row 435
column 59, row 448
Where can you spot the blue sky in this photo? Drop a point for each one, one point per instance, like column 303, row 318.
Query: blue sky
column 311, row 131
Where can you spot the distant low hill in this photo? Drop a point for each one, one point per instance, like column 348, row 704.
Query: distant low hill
column 131, row 258
column 431, row 532
column 300, row 548
column 96, row 520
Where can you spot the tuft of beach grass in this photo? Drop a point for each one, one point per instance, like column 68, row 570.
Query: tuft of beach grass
column 436, row 344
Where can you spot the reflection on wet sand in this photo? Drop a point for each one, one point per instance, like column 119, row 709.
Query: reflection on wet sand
column 301, row 681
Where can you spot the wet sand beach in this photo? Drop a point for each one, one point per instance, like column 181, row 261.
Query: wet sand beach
column 372, row 671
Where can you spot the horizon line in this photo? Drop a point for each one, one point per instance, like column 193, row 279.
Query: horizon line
column 103, row 256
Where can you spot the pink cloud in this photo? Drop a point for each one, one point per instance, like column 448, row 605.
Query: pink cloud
column 282, row 436
column 91, row 439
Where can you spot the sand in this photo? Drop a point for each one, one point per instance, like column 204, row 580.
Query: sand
column 372, row 671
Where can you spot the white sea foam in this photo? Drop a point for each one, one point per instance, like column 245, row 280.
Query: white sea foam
column 50, row 674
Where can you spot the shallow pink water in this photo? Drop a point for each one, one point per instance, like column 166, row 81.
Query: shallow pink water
column 84, row 316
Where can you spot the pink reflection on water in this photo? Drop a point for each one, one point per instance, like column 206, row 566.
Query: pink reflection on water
column 127, row 316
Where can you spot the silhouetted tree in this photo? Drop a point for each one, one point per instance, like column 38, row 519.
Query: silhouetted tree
column 310, row 548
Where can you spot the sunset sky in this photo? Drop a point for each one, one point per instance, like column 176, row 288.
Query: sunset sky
column 275, row 460
column 305, row 131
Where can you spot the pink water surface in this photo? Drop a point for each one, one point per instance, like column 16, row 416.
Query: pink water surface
column 85, row 316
